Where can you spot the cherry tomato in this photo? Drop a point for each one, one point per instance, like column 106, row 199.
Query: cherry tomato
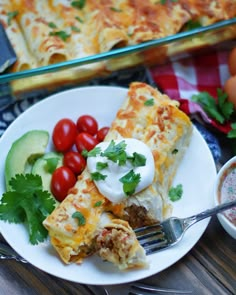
column 62, row 180
column 87, row 123
column 64, row 134
column 101, row 134
column 85, row 141
column 230, row 89
column 75, row 161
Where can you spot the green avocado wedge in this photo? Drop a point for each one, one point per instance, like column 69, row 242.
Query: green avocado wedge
column 45, row 166
column 23, row 153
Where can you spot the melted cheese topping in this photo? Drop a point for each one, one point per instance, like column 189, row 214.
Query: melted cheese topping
column 112, row 187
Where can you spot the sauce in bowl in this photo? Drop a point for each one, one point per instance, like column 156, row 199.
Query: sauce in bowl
column 227, row 191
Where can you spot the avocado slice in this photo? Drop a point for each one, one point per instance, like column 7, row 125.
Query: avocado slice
column 44, row 167
column 23, row 152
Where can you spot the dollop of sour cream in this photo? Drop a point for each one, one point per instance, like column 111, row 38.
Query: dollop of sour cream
column 115, row 176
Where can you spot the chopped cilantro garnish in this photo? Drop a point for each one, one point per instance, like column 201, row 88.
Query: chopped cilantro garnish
column 130, row 182
column 175, row 151
column 51, row 164
column 190, row 25
column 164, row 1
column 115, row 9
column 61, row 34
column 98, row 204
column 27, row 203
column 10, row 16
column 116, row 152
column 220, row 111
column 80, row 217
column 232, row 133
column 98, row 176
column 175, row 193
column 149, row 102
column 93, row 153
column 52, row 25
column 78, row 4
column 75, row 29
column 137, row 160
column 79, row 19
column 101, row 165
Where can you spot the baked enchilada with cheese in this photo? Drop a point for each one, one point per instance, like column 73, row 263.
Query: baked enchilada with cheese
column 148, row 118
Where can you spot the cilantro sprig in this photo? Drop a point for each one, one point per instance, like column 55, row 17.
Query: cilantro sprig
column 221, row 111
column 27, row 203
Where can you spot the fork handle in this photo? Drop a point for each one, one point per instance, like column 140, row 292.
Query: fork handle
column 207, row 213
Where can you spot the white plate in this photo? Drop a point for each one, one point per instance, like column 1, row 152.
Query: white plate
column 196, row 172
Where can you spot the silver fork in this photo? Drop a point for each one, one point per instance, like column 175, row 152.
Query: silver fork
column 169, row 232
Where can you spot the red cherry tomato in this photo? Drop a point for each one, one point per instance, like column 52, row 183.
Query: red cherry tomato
column 85, row 141
column 64, row 134
column 62, row 180
column 101, row 134
column 75, row 161
column 87, row 123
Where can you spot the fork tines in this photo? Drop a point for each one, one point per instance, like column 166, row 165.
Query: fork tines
column 151, row 238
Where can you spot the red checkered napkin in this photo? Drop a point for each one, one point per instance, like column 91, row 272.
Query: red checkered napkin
column 181, row 79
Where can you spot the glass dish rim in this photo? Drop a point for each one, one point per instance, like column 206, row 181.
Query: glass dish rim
column 115, row 52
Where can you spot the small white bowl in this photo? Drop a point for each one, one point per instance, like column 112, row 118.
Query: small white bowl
column 225, row 190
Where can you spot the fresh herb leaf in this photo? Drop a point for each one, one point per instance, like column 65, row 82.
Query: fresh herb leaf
column 226, row 107
column 98, row 176
column 175, row 151
column 61, row 34
column 81, row 219
column 164, row 1
column 149, row 102
column 232, row 133
column 115, row 9
column 130, row 182
column 78, row 4
column 175, row 193
column 27, row 203
column 93, row 153
column 191, row 25
column 10, row 16
column 75, row 29
column 51, row 164
column 116, row 152
column 209, row 105
column 137, row 160
column 98, row 204
column 79, row 19
column 101, row 165
column 52, row 25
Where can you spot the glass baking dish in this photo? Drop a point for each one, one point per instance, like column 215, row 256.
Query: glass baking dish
column 151, row 52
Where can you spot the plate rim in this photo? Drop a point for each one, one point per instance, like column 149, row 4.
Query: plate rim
column 92, row 88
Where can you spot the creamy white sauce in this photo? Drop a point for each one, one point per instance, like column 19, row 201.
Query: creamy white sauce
column 111, row 187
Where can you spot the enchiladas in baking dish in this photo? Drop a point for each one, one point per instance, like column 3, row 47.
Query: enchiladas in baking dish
column 155, row 120
column 47, row 32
